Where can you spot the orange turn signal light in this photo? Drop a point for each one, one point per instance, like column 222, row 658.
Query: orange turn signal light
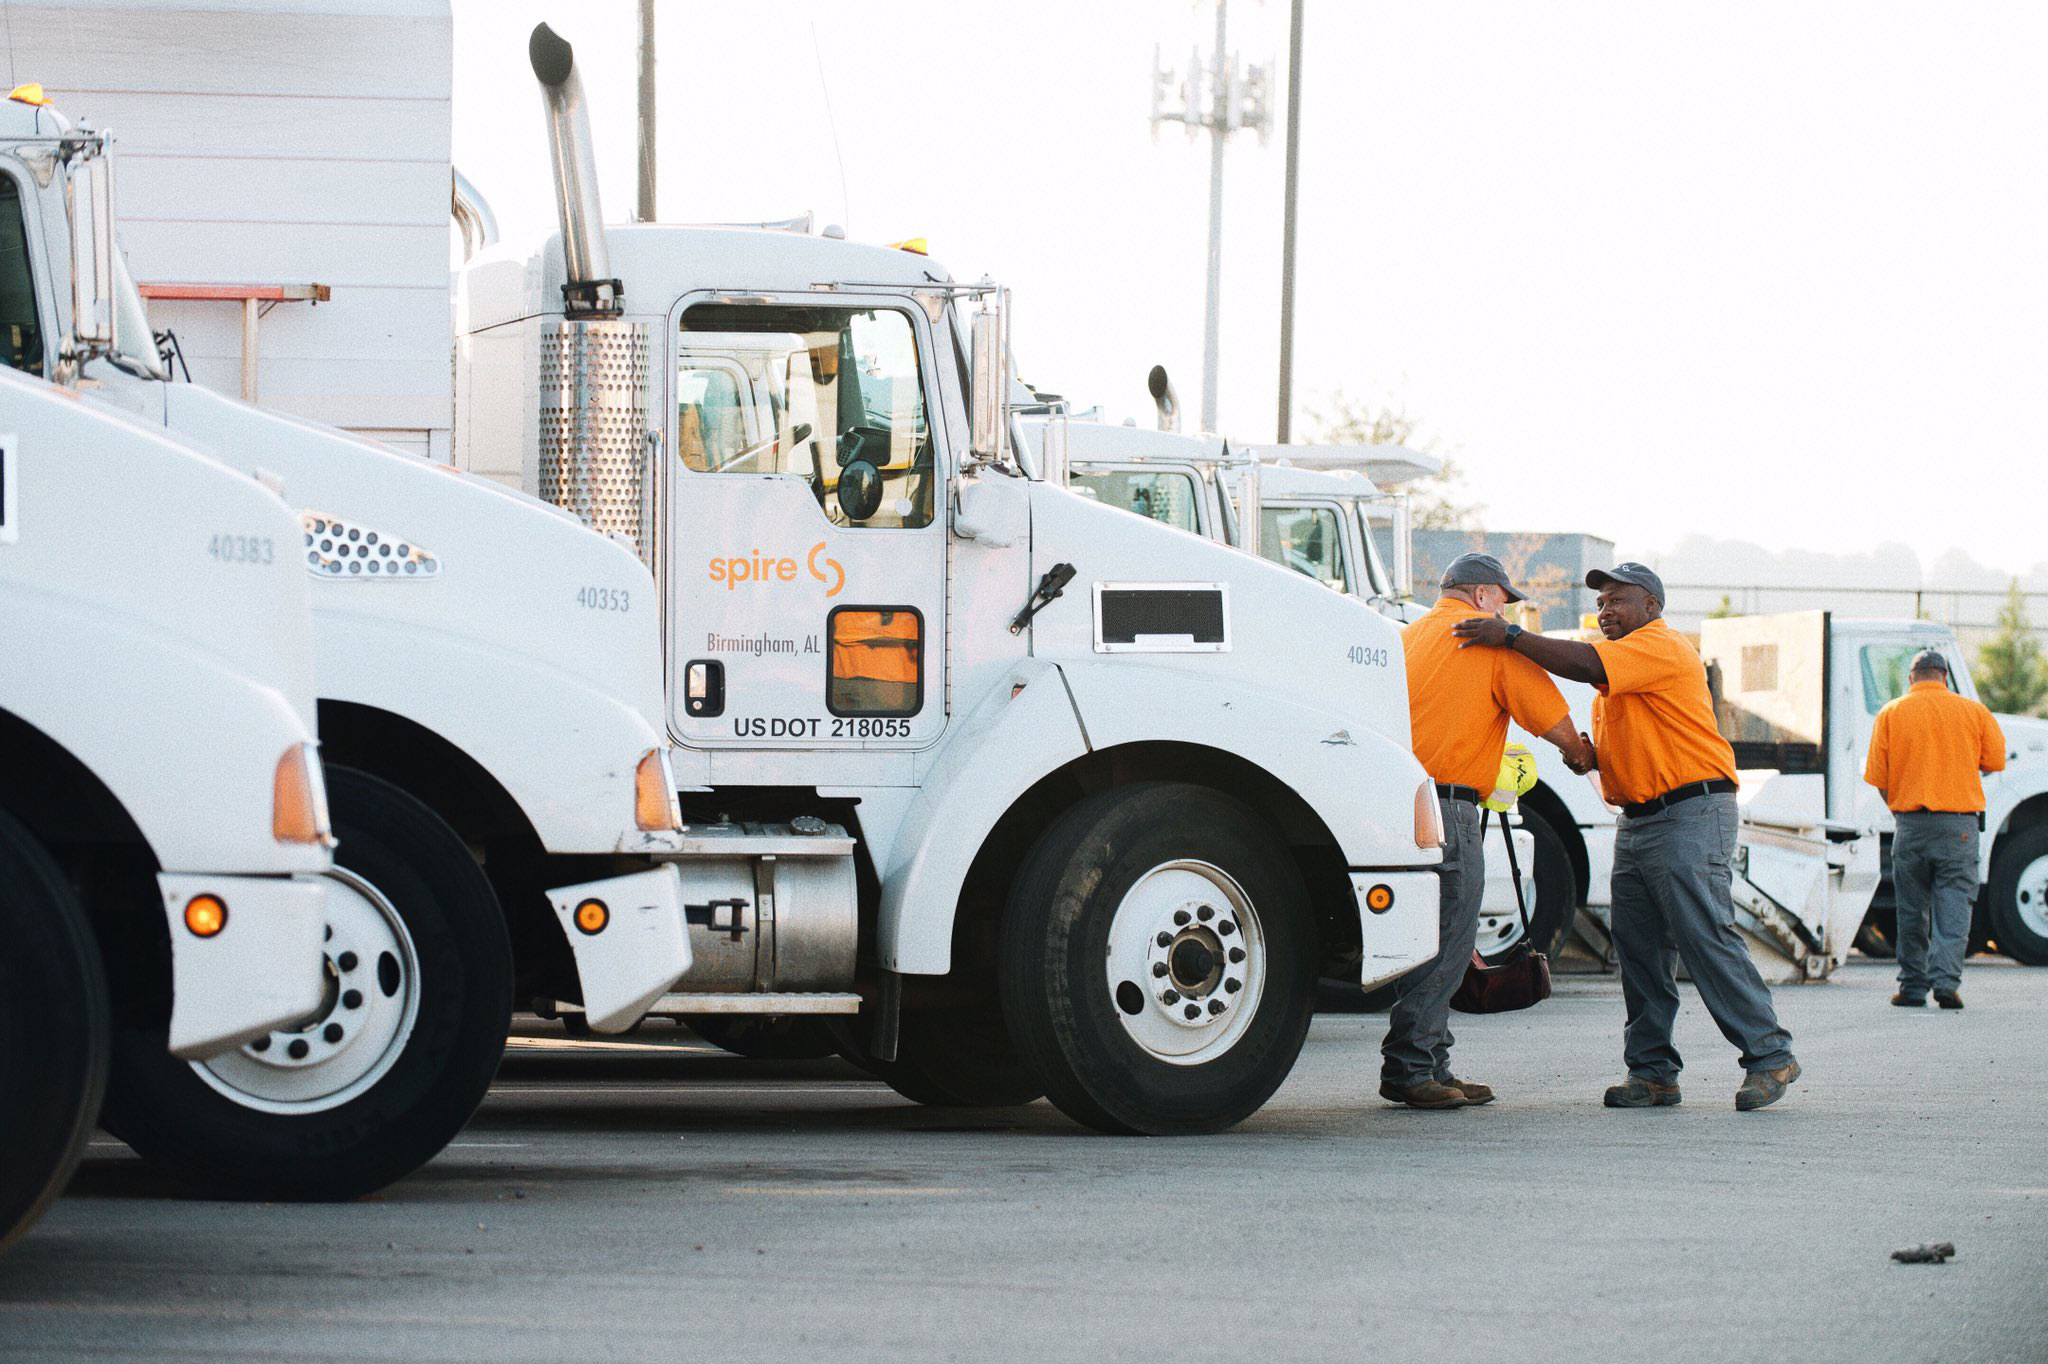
column 1380, row 899
column 592, row 916
column 1429, row 819
column 654, row 794
column 206, row 915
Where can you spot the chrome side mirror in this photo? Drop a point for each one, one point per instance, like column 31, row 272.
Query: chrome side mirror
column 1052, row 450
column 989, row 381
column 89, row 197
column 1404, row 550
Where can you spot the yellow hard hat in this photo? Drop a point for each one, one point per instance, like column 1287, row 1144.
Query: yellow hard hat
column 1517, row 775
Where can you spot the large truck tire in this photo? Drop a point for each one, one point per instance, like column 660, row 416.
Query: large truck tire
column 1550, row 889
column 419, row 1001
column 2016, row 910
column 54, row 1031
column 1157, row 960
column 765, row 1038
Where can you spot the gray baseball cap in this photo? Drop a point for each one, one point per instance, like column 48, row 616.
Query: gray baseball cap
column 1635, row 575
column 1468, row 570
column 1927, row 661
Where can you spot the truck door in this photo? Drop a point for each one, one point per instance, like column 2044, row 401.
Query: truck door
column 1308, row 537
column 805, row 555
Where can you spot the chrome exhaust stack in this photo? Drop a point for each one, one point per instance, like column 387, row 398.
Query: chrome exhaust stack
column 1164, row 398
column 590, row 291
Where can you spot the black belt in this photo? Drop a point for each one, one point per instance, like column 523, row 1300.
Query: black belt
column 1448, row 791
column 1699, row 788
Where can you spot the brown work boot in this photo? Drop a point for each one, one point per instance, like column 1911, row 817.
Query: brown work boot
column 1906, row 1001
column 1948, row 999
column 1636, row 1092
column 1762, row 1087
column 1428, row 1094
column 1475, row 1093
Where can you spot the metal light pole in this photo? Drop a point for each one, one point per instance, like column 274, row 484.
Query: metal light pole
column 1285, row 425
column 644, row 208
column 1213, row 96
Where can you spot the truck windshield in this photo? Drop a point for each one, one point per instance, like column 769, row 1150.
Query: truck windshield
column 21, row 333
column 1168, row 497
column 833, row 395
column 1886, row 673
column 1307, row 540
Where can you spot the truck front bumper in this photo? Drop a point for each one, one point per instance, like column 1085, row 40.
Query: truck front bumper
column 630, row 941
column 263, row 968
column 1401, row 936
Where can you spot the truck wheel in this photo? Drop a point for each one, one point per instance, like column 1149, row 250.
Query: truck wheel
column 764, row 1039
column 53, row 1031
column 419, row 1000
column 1157, row 960
column 1877, row 934
column 2018, row 905
column 1551, row 890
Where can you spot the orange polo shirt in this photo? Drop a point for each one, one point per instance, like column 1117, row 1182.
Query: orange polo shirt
column 1927, row 747
column 1653, row 722
column 1459, row 700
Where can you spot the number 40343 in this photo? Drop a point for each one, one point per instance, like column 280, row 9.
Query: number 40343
column 1367, row 658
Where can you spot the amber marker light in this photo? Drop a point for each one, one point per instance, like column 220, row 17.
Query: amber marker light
column 298, row 798
column 32, row 93
column 654, row 794
column 1429, row 820
column 592, row 916
column 206, row 915
column 1380, row 899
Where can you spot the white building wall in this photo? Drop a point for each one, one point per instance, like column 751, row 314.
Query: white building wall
column 279, row 142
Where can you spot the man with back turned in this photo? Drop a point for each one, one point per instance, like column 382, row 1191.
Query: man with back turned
column 1459, row 703
column 1928, row 751
column 1663, row 761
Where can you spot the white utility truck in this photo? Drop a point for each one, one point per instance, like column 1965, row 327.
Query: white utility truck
column 488, row 676
column 1092, row 844
column 164, row 865
column 1800, row 691
column 1805, row 876
column 1039, row 799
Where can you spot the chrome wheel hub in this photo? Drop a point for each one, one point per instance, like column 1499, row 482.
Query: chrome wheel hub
column 2032, row 895
column 1187, row 962
column 364, row 1021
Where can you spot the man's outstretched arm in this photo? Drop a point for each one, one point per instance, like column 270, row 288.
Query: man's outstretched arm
column 1566, row 658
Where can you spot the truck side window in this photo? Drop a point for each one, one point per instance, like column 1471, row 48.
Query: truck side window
column 876, row 666
column 21, row 333
column 1305, row 539
column 1167, row 497
column 833, row 395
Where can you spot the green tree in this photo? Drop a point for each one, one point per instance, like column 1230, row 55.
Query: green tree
column 1724, row 610
column 1437, row 502
column 2012, row 677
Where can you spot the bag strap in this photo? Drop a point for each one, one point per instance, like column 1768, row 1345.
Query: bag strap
column 1507, row 836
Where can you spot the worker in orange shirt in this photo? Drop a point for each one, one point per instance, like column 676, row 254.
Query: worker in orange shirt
column 1928, row 752
column 877, row 659
column 1663, row 761
column 1459, row 703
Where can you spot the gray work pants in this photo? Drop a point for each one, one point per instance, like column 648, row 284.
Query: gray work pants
column 1672, row 900
column 1934, row 876
column 1418, row 1045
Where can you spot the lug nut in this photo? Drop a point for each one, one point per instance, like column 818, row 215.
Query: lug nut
column 1192, row 1012
column 1158, row 968
column 1180, row 916
column 298, row 1049
column 351, row 999
column 1226, row 928
column 331, row 1033
column 1233, row 985
column 1215, row 1006
column 346, row 961
column 260, row 1044
column 1237, row 954
column 1171, row 997
column 1165, row 939
column 1205, row 914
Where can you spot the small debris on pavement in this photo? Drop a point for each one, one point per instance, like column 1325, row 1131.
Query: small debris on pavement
column 1933, row 1253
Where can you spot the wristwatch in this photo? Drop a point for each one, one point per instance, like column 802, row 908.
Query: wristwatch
column 1514, row 633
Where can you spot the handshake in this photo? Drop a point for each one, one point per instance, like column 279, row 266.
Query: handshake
column 1579, row 754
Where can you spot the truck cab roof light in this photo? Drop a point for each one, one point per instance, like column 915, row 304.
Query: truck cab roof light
column 916, row 246
column 31, row 93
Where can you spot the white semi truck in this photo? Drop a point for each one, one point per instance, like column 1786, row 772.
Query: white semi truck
column 1090, row 842
column 165, row 879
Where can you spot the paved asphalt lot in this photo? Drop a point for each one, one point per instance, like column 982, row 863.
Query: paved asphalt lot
column 658, row 1202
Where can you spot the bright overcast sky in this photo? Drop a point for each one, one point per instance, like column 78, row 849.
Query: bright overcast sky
column 1762, row 271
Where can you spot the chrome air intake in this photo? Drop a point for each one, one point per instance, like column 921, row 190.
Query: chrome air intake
column 598, row 439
